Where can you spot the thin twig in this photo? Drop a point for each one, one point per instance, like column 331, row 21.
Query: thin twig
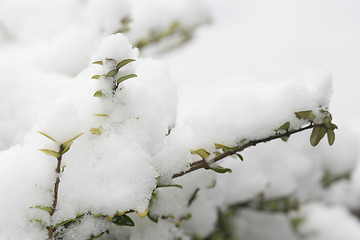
column 204, row 164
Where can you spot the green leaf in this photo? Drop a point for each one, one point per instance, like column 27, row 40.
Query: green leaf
column 223, row 147
column 99, row 235
column 96, row 77
column 241, row 157
column 111, row 73
column 333, row 126
column 317, row 134
column 101, row 115
column 170, row 185
column 67, row 147
column 285, row 138
column 123, row 63
column 330, row 136
column 109, row 59
column 285, row 127
column 63, row 168
column 120, row 80
column 47, row 136
column 47, row 209
column 64, row 222
column 201, row 152
column 98, row 94
column 72, row 139
column 220, row 169
column 123, row 220
column 306, row 115
column 98, row 62
column 327, row 122
column 152, row 218
column 96, row 131
column 50, row 153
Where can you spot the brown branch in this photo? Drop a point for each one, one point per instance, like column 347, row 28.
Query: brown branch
column 204, row 164
column 50, row 228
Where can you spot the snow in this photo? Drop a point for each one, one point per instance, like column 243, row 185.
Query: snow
column 241, row 77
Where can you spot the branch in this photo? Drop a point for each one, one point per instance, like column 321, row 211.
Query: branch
column 205, row 164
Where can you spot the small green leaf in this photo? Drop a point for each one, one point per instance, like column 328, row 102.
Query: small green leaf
column 330, row 136
column 111, row 73
column 120, row 80
column 96, row 131
column 317, row 134
column 67, row 147
column 109, row 59
column 152, row 218
column 285, row 127
column 201, row 152
column 124, row 62
column 72, row 139
column 212, row 185
column 241, row 157
column 50, row 153
column 101, row 115
column 98, row 62
column 170, row 185
column 223, row 147
column 123, row 220
column 306, row 115
column 98, row 94
column 220, row 169
column 327, row 122
column 96, row 77
column 63, row 168
column 99, row 235
column 285, row 138
column 47, row 136
column 333, row 126
column 47, row 209
column 64, row 222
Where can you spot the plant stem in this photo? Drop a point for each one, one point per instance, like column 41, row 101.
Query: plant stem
column 204, row 164
column 50, row 228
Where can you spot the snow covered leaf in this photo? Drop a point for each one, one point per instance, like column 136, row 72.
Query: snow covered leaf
column 123, row 220
column 50, row 153
column 201, row 152
column 96, row 77
column 220, row 169
column 47, row 136
column 285, row 127
column 124, row 62
column 125, row 78
column 306, row 115
column 96, row 131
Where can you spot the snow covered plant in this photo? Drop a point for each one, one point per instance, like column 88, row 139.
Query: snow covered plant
column 115, row 144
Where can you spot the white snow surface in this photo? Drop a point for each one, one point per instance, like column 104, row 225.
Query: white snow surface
column 242, row 77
